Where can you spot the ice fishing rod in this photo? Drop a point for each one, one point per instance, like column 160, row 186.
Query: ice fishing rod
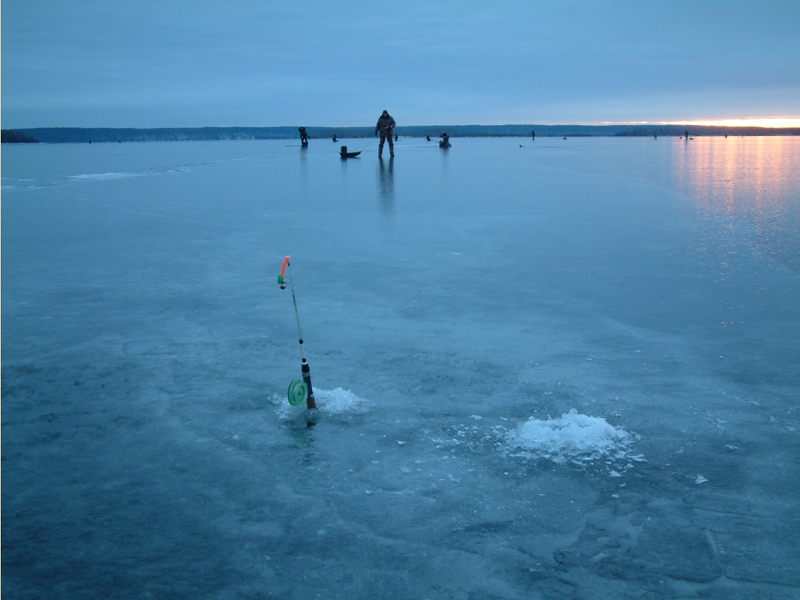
column 299, row 390
column 367, row 146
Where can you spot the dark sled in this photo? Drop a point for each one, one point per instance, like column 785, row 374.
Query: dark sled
column 345, row 154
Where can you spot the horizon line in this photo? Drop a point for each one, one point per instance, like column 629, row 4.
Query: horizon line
column 766, row 123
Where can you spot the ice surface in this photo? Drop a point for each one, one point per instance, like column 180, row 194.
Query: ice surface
column 453, row 306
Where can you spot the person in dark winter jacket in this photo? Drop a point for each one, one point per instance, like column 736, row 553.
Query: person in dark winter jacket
column 384, row 126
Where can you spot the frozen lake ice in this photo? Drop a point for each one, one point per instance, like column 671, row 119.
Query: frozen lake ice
column 561, row 368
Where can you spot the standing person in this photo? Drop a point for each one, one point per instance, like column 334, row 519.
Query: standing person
column 385, row 125
column 303, row 136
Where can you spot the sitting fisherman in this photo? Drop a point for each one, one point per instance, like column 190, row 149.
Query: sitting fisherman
column 303, row 136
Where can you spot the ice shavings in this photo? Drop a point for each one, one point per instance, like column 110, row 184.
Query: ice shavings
column 330, row 402
column 572, row 437
column 339, row 400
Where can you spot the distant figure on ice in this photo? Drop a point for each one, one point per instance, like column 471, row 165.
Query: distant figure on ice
column 686, row 134
column 334, row 137
column 445, row 143
column 533, row 135
column 385, row 125
column 303, row 136
column 427, row 137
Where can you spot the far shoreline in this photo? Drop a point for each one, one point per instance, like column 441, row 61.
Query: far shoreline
column 60, row 135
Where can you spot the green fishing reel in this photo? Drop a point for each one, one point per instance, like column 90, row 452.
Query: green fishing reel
column 298, row 393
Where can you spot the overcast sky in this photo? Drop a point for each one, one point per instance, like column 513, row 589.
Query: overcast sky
column 165, row 63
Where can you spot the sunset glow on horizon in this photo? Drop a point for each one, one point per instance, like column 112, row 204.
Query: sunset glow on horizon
column 770, row 122
column 767, row 122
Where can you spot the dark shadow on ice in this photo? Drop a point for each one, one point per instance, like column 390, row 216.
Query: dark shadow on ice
column 445, row 156
column 304, row 167
column 386, row 184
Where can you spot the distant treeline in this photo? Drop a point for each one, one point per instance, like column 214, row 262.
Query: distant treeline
column 15, row 137
column 76, row 135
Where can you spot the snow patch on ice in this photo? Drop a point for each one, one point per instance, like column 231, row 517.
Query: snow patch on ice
column 571, row 437
column 102, row 176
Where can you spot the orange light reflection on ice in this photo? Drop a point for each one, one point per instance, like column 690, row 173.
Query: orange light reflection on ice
column 752, row 180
